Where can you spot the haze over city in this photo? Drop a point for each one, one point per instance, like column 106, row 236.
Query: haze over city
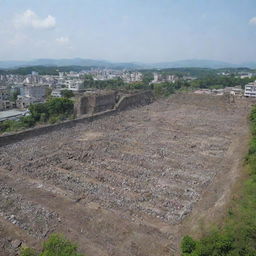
column 128, row 31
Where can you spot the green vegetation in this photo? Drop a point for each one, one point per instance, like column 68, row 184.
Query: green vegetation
column 52, row 111
column 208, row 81
column 14, row 96
column 56, row 245
column 67, row 94
column 219, row 81
column 238, row 236
column 44, row 70
column 204, row 79
column 48, row 93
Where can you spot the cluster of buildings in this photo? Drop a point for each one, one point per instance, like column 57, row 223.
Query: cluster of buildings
column 19, row 91
column 108, row 74
column 241, row 74
column 236, row 90
column 159, row 78
column 249, row 90
column 162, row 78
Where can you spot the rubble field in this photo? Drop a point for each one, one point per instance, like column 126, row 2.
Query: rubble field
column 121, row 185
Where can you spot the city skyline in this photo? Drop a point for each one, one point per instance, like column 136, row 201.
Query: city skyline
column 128, row 31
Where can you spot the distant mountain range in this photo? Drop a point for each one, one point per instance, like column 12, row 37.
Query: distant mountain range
column 127, row 65
column 67, row 62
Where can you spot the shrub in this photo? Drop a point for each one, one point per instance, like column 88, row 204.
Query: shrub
column 27, row 121
column 57, row 245
column 67, row 94
column 38, row 109
column 57, row 106
column 188, row 245
column 54, row 119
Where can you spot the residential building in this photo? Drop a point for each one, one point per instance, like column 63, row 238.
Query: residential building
column 6, row 104
column 75, row 85
column 24, row 102
column 246, row 75
column 37, row 92
column 56, row 93
column 250, row 90
column 4, row 93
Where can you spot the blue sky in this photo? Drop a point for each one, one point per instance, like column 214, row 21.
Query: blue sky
column 128, row 30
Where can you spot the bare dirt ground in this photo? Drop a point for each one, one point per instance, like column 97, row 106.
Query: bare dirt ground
column 130, row 184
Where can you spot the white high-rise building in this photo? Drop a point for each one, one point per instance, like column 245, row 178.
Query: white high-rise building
column 250, row 90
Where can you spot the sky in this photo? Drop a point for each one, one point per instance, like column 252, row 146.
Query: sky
column 128, row 30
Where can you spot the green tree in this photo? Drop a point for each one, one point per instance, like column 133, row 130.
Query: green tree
column 67, row 94
column 48, row 92
column 88, row 81
column 14, row 96
column 37, row 110
column 188, row 245
column 56, row 245
column 27, row 121
column 57, row 106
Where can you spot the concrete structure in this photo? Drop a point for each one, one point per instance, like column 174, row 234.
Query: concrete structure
column 131, row 77
column 56, row 93
column 237, row 90
column 4, row 93
column 171, row 78
column 6, row 104
column 30, row 94
column 125, row 102
column 246, row 75
column 13, row 114
column 24, row 102
column 37, row 92
column 75, row 85
column 160, row 78
column 250, row 90
column 156, row 78
column 93, row 102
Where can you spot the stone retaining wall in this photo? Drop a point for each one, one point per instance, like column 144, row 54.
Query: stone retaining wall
column 125, row 102
column 139, row 99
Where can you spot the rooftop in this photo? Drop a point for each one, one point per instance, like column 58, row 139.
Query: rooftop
column 11, row 114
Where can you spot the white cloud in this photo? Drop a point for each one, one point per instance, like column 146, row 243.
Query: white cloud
column 31, row 19
column 252, row 21
column 62, row 40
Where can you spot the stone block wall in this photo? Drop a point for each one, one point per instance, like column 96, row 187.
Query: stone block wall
column 125, row 102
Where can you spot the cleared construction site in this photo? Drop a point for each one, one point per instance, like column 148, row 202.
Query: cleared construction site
column 127, row 184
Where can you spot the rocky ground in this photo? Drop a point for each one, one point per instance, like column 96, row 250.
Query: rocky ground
column 121, row 185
